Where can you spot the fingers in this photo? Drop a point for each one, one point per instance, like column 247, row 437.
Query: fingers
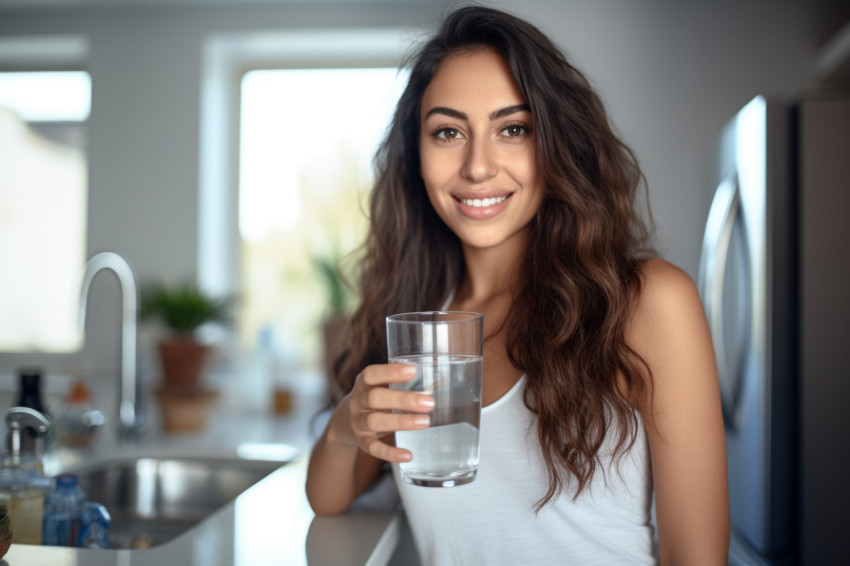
column 381, row 423
column 384, row 374
column 372, row 394
column 375, row 410
column 383, row 399
column 384, row 451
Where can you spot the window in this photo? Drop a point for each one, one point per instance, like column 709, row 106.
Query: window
column 43, row 192
column 308, row 137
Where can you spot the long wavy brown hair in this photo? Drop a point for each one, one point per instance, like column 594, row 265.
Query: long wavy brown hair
column 580, row 276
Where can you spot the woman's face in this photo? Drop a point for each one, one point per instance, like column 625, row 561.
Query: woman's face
column 477, row 150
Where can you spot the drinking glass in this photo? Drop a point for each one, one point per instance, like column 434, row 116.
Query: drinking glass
column 446, row 348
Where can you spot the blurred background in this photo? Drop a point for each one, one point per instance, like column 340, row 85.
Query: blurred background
column 228, row 143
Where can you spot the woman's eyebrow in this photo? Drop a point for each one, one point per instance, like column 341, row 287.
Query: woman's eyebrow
column 448, row 112
column 501, row 113
column 508, row 110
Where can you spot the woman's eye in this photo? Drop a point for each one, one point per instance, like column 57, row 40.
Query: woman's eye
column 515, row 130
column 446, row 134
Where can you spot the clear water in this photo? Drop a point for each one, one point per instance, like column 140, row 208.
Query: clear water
column 446, row 453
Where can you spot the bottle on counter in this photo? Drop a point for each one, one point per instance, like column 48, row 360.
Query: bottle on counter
column 94, row 526
column 29, row 395
column 29, row 392
column 22, row 491
column 79, row 420
column 23, row 487
column 63, row 509
column 284, row 366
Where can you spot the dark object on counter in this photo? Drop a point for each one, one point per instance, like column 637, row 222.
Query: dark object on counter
column 30, row 390
column 29, row 395
column 5, row 530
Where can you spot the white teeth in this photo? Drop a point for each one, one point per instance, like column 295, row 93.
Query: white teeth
column 479, row 203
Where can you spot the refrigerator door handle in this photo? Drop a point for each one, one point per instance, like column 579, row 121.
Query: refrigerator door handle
column 717, row 239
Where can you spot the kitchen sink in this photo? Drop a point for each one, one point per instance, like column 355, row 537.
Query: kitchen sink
column 154, row 499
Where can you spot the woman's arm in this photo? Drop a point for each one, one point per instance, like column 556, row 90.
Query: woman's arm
column 348, row 456
column 684, row 422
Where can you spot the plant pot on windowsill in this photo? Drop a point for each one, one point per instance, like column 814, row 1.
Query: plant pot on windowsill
column 182, row 309
column 182, row 360
column 184, row 409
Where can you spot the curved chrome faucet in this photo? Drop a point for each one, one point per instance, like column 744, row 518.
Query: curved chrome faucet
column 129, row 406
column 19, row 418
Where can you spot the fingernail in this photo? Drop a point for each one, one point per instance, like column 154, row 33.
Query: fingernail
column 422, row 420
column 409, row 369
column 426, row 401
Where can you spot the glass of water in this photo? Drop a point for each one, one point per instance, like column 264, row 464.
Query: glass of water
column 446, row 348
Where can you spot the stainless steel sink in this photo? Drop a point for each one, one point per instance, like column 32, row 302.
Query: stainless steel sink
column 153, row 499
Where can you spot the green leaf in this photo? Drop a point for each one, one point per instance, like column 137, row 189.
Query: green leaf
column 184, row 307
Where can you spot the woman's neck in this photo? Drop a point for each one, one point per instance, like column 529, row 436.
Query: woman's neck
column 490, row 272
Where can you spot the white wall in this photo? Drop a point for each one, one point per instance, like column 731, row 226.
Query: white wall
column 145, row 64
column 671, row 72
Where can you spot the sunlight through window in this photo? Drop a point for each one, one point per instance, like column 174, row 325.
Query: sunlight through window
column 43, row 195
column 307, row 142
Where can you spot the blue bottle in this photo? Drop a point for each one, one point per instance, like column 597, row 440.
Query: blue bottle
column 63, row 509
column 94, row 526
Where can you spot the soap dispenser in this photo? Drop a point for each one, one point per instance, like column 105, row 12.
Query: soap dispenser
column 23, row 487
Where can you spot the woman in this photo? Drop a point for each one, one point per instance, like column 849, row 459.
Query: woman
column 502, row 190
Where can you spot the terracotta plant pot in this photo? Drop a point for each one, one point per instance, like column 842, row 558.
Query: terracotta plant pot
column 185, row 409
column 182, row 360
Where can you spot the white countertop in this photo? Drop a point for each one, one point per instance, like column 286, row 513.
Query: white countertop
column 270, row 523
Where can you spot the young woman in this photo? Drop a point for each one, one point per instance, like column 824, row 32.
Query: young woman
column 503, row 190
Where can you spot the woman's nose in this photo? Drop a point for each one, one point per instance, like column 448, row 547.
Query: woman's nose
column 479, row 164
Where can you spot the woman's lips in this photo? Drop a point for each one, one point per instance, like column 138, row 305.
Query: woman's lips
column 481, row 207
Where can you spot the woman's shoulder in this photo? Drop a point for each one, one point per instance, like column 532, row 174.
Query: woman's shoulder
column 660, row 278
column 668, row 302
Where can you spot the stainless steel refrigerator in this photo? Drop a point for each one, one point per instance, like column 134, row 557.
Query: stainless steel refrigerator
column 775, row 279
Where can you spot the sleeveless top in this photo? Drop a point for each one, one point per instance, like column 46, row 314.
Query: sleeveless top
column 491, row 521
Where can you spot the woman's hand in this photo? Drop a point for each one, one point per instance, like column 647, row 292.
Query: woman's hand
column 372, row 411
column 349, row 455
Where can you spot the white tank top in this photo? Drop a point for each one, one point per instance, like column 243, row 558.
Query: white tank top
column 491, row 520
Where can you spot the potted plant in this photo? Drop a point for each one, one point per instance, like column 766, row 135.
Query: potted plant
column 335, row 318
column 182, row 309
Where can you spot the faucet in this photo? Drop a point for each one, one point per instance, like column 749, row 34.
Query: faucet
column 129, row 406
column 17, row 420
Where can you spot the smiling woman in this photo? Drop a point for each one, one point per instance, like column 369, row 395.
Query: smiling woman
column 477, row 151
column 503, row 189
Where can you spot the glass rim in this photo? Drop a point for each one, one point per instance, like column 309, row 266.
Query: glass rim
column 431, row 317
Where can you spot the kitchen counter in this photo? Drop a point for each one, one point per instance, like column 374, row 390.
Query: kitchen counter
column 270, row 523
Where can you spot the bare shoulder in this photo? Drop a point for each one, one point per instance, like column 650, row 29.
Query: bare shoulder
column 663, row 282
column 667, row 294
column 668, row 327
